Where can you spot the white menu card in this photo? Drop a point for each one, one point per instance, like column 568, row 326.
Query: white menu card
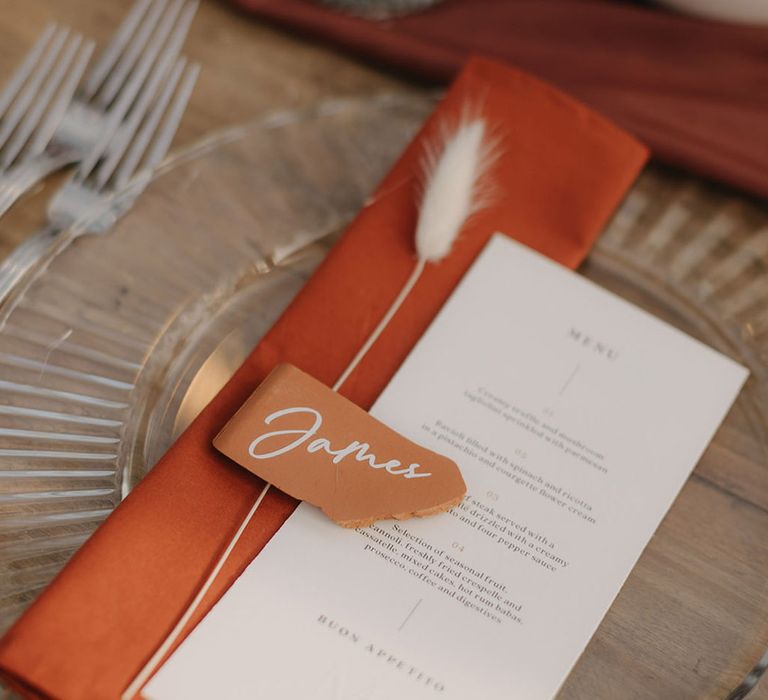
column 575, row 418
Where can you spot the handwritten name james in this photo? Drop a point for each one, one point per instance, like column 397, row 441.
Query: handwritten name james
column 271, row 444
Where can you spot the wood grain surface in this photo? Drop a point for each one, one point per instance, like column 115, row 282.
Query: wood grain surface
column 664, row 638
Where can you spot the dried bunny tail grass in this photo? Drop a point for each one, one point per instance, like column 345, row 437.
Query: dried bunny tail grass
column 454, row 167
column 454, row 189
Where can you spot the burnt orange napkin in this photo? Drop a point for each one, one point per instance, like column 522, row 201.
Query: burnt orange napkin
column 561, row 171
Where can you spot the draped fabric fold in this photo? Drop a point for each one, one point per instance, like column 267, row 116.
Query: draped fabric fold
column 692, row 89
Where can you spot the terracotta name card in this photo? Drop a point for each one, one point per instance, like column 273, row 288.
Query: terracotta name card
column 319, row 447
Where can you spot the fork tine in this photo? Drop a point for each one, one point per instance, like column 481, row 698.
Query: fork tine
column 128, row 93
column 140, row 143
column 23, row 71
column 109, row 56
column 168, row 128
column 61, row 104
column 160, row 19
column 131, row 123
column 27, row 94
column 172, row 119
column 37, row 110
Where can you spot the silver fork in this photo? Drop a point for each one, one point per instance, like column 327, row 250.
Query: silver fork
column 32, row 104
column 152, row 28
column 108, row 180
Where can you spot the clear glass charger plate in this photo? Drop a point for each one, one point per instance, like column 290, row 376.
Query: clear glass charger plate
column 115, row 342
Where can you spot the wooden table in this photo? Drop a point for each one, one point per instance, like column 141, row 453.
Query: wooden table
column 249, row 69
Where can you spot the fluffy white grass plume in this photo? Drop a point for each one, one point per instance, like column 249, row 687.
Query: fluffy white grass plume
column 452, row 193
column 453, row 188
column 454, row 170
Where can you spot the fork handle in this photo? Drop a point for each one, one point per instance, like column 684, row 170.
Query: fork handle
column 23, row 258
